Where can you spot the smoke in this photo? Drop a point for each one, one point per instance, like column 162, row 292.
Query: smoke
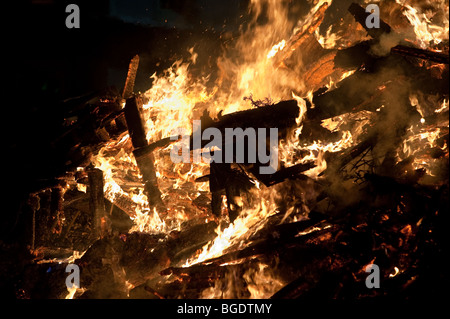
column 385, row 43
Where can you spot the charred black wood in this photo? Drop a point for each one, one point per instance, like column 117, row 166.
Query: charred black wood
column 195, row 270
column 350, row 96
column 144, row 159
column 294, row 289
column 135, row 123
column 339, row 160
column 275, row 227
column 153, row 292
column 146, row 165
column 232, row 183
column 313, row 131
column 284, row 173
column 225, row 181
column 99, row 269
column 57, row 210
column 101, row 220
column 320, row 283
column 192, row 281
column 113, row 116
column 360, row 15
column 355, row 56
column 437, row 118
column 281, row 115
column 216, row 203
column 429, row 55
column 233, row 192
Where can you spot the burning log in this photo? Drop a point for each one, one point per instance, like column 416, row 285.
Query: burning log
column 347, row 156
column 134, row 122
column 144, row 157
column 192, row 281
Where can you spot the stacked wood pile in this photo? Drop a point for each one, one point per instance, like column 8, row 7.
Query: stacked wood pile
column 367, row 207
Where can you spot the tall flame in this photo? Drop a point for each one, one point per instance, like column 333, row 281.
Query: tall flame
column 428, row 33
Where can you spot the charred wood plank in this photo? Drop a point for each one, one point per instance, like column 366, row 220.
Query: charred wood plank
column 135, row 123
column 281, row 115
column 285, row 173
column 429, row 55
column 144, row 159
column 146, row 165
column 345, row 98
column 101, row 221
